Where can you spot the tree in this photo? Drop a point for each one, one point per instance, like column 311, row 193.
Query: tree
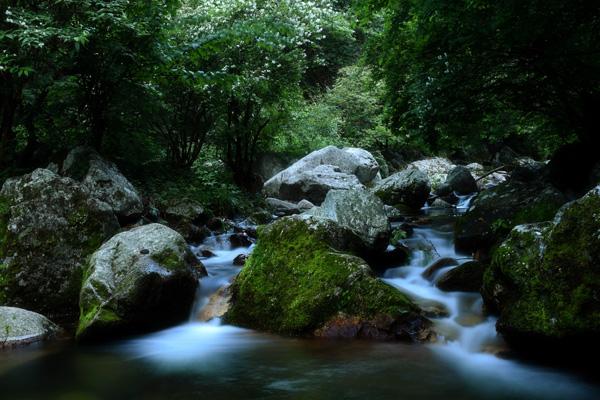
column 454, row 66
column 252, row 57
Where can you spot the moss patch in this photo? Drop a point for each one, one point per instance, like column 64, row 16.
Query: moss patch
column 169, row 259
column 294, row 282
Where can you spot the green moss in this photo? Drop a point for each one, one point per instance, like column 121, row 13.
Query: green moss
column 99, row 316
column 169, row 259
column 551, row 282
column 294, row 282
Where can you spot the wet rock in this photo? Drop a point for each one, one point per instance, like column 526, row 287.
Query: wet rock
column 494, row 212
column 49, row 226
column 188, row 218
column 527, row 170
column 105, row 182
column 433, row 309
column 126, row 291
column 409, row 187
column 21, row 327
column 322, row 170
column 461, row 181
column 239, row 240
column 218, row 305
column 393, row 214
column 467, row 277
column 206, row 253
column 359, row 211
column 439, row 203
column 437, row 265
column 295, row 283
column 217, row 225
column 544, row 279
column 240, row 260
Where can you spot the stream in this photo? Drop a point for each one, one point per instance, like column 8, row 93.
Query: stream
column 216, row 361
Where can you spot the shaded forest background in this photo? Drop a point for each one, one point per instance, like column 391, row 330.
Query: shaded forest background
column 191, row 96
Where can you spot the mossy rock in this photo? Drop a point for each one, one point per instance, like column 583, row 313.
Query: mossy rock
column 21, row 327
column 49, row 226
column 545, row 278
column 139, row 280
column 296, row 283
column 496, row 211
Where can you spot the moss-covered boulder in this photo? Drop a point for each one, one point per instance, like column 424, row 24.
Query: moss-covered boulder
column 21, row 327
column 49, row 226
column 409, row 187
column 496, row 211
column 142, row 279
column 545, row 278
column 359, row 211
column 296, row 283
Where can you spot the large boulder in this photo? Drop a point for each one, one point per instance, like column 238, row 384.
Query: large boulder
column 314, row 184
column 544, row 280
column 20, row 327
column 461, row 181
column 295, row 283
column 105, row 182
column 49, row 226
column 496, row 211
column 328, row 168
column 409, row 187
column 436, row 169
column 361, row 212
column 142, row 279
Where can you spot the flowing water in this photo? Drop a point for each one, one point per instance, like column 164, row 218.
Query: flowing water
column 197, row 360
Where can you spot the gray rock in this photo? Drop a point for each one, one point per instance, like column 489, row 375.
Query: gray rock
column 104, row 181
column 329, row 168
column 467, row 277
column 361, row 212
column 188, row 217
column 436, row 169
column 461, row 181
column 282, row 207
column 49, row 226
column 141, row 279
column 314, row 184
column 409, row 187
column 20, row 327
column 305, row 205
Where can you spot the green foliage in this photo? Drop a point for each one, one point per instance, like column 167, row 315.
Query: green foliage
column 489, row 71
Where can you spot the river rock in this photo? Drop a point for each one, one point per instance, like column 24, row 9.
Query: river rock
column 409, row 187
column 359, row 211
column 294, row 283
column 188, row 218
column 218, row 305
column 467, row 277
column 461, row 181
column 314, row 184
column 544, row 280
column 437, row 265
column 329, row 168
column 142, row 279
column 21, row 327
column 49, row 226
column 105, row 182
column 436, row 169
column 305, row 205
column 494, row 212
column 281, row 207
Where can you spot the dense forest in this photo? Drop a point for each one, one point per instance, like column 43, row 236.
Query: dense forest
column 399, row 170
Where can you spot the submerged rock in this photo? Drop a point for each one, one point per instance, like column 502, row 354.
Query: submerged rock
column 218, row 305
column 49, row 226
column 296, row 283
column 21, row 327
column 105, row 182
column 409, row 187
column 328, row 168
column 544, row 280
column 142, row 279
column 359, row 211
